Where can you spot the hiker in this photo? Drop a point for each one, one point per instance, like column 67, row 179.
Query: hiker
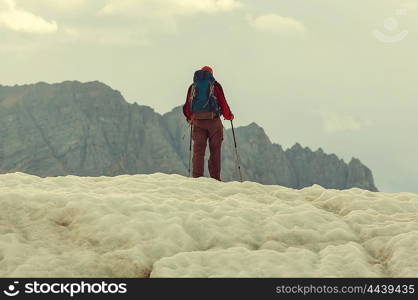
column 204, row 105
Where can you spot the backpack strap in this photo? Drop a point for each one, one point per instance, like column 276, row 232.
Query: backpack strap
column 212, row 91
column 192, row 95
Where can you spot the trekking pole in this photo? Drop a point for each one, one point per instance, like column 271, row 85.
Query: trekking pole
column 184, row 132
column 190, row 148
column 236, row 152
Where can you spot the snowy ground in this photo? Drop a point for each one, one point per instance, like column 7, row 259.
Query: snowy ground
column 171, row 226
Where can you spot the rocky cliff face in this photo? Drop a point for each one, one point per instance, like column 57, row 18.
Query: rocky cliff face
column 82, row 129
column 267, row 163
column 88, row 129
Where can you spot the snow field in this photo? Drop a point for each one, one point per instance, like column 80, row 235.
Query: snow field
column 163, row 225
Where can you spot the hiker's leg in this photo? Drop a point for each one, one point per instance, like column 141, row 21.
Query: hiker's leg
column 200, row 136
column 215, row 144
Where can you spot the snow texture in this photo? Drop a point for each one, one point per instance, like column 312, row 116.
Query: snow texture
column 171, row 226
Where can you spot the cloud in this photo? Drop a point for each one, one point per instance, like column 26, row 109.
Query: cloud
column 64, row 5
column 167, row 7
column 155, row 17
column 410, row 5
column 333, row 122
column 17, row 19
column 71, row 33
column 276, row 24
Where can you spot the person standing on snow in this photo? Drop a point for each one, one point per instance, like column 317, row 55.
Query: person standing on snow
column 205, row 103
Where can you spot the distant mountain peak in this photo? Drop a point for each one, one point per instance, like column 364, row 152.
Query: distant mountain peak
column 296, row 146
column 254, row 125
column 95, row 84
column 88, row 129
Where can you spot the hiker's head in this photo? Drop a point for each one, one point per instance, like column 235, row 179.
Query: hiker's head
column 205, row 73
column 209, row 69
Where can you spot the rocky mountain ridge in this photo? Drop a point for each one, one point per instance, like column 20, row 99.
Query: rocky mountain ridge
column 88, row 129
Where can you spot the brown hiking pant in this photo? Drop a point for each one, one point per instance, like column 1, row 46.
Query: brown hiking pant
column 202, row 131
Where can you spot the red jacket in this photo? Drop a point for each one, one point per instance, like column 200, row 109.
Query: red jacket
column 219, row 94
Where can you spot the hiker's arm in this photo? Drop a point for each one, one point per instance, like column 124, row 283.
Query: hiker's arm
column 225, row 110
column 186, row 107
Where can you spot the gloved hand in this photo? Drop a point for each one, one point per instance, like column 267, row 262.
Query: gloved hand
column 230, row 117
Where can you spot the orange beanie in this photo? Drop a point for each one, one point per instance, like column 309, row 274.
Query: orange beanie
column 206, row 68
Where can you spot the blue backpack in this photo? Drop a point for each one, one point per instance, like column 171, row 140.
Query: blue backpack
column 202, row 95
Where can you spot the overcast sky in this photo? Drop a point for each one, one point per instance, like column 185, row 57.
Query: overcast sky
column 335, row 74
